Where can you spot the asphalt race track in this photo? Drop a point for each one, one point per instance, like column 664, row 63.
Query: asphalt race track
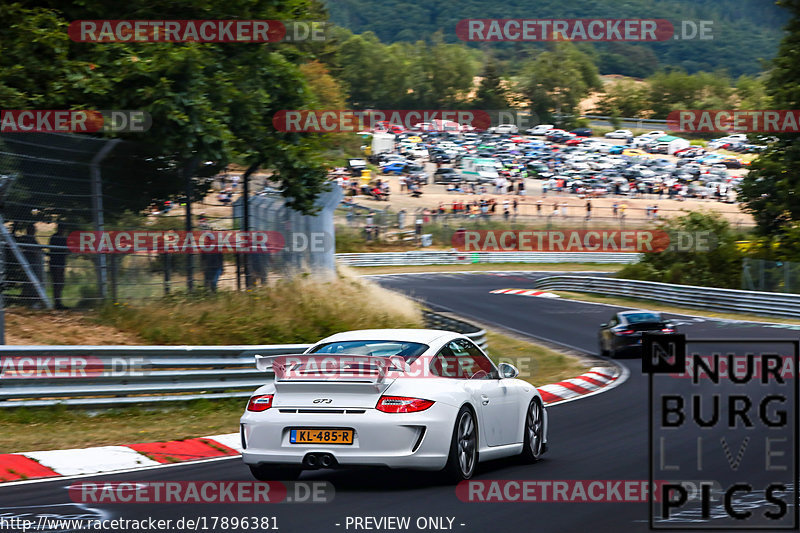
column 603, row 437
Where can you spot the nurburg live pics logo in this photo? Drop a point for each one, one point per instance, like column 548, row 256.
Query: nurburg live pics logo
column 733, row 426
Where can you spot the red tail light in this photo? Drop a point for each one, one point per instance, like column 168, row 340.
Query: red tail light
column 668, row 330
column 260, row 403
column 401, row 404
column 626, row 332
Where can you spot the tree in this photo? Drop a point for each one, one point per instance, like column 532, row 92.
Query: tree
column 719, row 266
column 441, row 74
column 208, row 102
column 557, row 80
column 751, row 93
column 326, row 91
column 675, row 89
column 375, row 75
column 490, row 94
column 771, row 190
column 625, row 98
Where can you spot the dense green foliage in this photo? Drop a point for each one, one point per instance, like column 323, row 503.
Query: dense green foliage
column 745, row 32
column 771, row 190
column 208, row 102
column 719, row 266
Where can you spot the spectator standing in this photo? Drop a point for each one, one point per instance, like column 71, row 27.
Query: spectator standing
column 35, row 257
column 58, row 263
column 588, row 209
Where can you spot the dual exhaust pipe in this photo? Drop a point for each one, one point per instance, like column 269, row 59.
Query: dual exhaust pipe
column 319, row 460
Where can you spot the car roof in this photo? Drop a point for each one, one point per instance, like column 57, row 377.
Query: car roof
column 424, row 336
column 637, row 311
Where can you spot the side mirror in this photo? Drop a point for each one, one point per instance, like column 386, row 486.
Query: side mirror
column 603, row 325
column 508, row 371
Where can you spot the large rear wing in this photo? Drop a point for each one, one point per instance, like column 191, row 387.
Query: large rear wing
column 321, row 367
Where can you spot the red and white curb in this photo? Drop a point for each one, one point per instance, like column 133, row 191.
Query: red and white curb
column 587, row 383
column 525, row 292
column 102, row 459
column 26, row 466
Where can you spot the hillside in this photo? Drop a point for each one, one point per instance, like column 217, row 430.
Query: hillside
column 745, row 32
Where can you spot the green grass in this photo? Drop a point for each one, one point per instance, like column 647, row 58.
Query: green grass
column 537, row 364
column 56, row 428
column 290, row 311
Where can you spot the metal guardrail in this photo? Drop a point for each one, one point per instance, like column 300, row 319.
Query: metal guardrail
column 444, row 257
column 629, row 120
column 709, row 298
column 474, row 333
column 111, row 376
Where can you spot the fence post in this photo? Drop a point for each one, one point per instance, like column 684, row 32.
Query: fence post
column 2, row 290
column 97, row 211
column 167, row 272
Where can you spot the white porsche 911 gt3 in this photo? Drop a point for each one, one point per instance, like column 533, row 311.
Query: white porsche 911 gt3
column 403, row 398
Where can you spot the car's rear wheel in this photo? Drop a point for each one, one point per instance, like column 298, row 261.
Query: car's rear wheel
column 463, row 456
column 275, row 473
column 601, row 349
column 533, row 442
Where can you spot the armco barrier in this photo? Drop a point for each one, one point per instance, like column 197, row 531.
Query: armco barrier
column 445, row 257
column 725, row 300
column 109, row 376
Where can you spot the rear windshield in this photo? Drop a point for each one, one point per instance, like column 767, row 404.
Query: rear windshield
column 407, row 350
column 639, row 318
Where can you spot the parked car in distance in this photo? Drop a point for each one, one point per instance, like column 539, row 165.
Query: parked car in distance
column 504, row 129
column 541, row 129
column 582, row 132
column 446, row 175
column 619, row 134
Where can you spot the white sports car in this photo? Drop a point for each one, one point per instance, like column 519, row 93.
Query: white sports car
column 403, row 398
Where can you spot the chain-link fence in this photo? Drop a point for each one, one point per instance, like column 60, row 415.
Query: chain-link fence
column 770, row 276
column 56, row 189
column 308, row 239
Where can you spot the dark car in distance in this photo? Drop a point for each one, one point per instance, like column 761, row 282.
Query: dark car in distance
column 582, row 132
column 623, row 332
column 446, row 175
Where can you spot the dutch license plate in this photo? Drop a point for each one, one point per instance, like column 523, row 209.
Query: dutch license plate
column 320, row 436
